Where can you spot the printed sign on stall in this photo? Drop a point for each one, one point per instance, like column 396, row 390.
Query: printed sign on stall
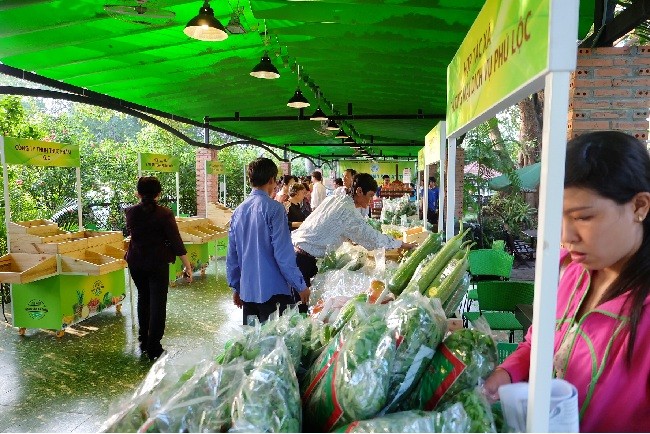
column 159, row 163
column 506, row 47
column 213, row 167
column 432, row 144
column 29, row 152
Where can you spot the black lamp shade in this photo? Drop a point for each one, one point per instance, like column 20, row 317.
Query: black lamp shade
column 341, row 135
column 318, row 115
column 298, row 100
column 205, row 27
column 265, row 69
column 332, row 125
column 349, row 141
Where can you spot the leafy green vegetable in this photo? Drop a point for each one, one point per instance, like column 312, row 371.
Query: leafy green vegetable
column 452, row 419
column 463, row 358
column 350, row 380
column 477, row 408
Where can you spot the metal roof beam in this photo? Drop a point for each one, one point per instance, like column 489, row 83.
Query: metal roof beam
column 612, row 30
column 238, row 118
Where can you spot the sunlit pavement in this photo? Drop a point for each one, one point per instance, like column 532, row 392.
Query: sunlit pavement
column 71, row 384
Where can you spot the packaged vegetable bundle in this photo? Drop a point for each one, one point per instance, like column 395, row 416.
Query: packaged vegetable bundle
column 269, row 399
column 419, row 324
column 147, row 398
column 477, row 408
column 460, row 361
column 452, row 419
column 453, row 302
column 351, row 378
column 202, row 403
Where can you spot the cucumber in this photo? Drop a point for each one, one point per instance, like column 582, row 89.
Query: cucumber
column 405, row 271
column 444, row 284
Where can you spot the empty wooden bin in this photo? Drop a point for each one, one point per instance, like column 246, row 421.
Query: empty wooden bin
column 89, row 263
column 25, row 267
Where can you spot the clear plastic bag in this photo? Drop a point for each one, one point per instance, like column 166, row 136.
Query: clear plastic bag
column 477, row 408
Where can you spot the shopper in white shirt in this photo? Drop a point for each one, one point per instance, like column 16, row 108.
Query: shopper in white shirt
column 337, row 220
column 318, row 192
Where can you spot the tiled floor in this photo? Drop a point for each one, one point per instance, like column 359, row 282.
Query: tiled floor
column 70, row 384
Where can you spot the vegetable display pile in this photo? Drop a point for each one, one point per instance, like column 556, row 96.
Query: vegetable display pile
column 463, row 358
column 452, row 419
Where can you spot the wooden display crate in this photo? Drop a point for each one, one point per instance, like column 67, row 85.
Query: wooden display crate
column 194, row 236
column 27, row 243
column 89, row 263
column 190, row 222
column 25, row 267
column 33, row 227
column 218, row 214
column 115, row 250
column 415, row 235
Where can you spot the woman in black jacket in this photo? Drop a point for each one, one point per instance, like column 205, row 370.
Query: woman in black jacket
column 155, row 243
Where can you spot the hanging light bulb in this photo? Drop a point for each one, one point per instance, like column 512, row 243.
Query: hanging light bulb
column 332, row 125
column 298, row 100
column 205, row 27
column 265, row 69
column 341, row 135
column 318, row 114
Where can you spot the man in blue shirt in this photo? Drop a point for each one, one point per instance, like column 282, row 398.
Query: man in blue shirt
column 261, row 262
column 434, row 194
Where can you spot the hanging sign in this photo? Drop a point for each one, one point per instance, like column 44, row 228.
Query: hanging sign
column 378, row 168
column 432, row 145
column 506, row 50
column 406, row 175
column 213, row 167
column 421, row 159
column 159, row 163
column 29, row 152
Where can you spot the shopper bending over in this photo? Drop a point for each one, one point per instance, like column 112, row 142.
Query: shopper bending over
column 603, row 303
column 155, row 243
column 295, row 214
column 337, row 220
column 260, row 263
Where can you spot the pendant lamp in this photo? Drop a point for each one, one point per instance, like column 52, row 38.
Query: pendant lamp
column 318, row 115
column 349, row 141
column 265, row 69
column 204, row 26
column 341, row 135
column 332, row 125
column 298, row 100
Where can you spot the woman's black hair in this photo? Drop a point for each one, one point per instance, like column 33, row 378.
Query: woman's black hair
column 149, row 188
column 261, row 170
column 364, row 181
column 286, row 179
column 338, row 182
column 616, row 166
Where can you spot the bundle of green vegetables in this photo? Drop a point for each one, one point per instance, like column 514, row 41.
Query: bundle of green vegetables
column 351, row 378
column 477, row 408
column 269, row 399
column 453, row 302
column 452, row 419
column 407, row 268
column 200, row 404
column 419, row 323
column 461, row 360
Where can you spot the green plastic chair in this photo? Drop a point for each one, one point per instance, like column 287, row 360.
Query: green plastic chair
column 499, row 245
column 504, row 349
column 497, row 301
column 487, row 264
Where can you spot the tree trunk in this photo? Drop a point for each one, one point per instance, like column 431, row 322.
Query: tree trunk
column 497, row 142
column 530, row 135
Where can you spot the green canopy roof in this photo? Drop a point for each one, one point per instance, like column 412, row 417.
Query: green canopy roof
column 379, row 65
column 529, row 177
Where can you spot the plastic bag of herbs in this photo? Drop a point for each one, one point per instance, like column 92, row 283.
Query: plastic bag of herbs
column 476, row 406
column 419, row 323
column 452, row 419
column 269, row 398
column 465, row 357
column 350, row 379
column 150, row 395
column 203, row 402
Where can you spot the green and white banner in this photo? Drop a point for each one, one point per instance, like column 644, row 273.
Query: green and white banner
column 213, row 167
column 421, row 159
column 29, row 152
column 379, row 168
column 159, row 163
column 506, row 48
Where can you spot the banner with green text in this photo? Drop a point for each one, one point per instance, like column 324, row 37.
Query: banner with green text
column 379, row 168
column 213, row 167
column 29, row 152
column 159, row 163
column 421, row 159
column 506, row 48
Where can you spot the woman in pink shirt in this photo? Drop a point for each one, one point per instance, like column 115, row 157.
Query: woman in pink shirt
column 603, row 310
